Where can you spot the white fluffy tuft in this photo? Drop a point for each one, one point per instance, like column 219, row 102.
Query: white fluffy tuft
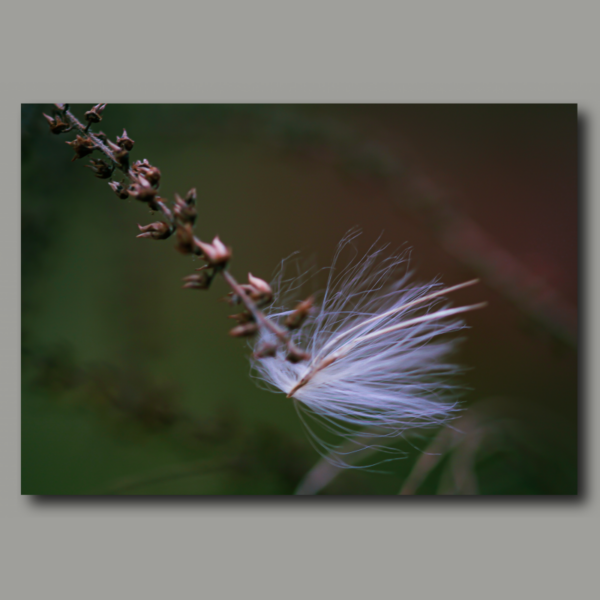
column 377, row 358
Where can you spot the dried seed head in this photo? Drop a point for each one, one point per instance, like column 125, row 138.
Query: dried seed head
column 82, row 146
column 144, row 168
column 301, row 312
column 190, row 197
column 261, row 286
column 198, row 281
column 125, row 142
column 379, row 346
column 140, row 164
column 102, row 136
column 57, row 125
column 295, row 355
column 156, row 231
column 152, row 174
column 246, row 330
column 243, row 317
column 101, row 169
column 215, row 254
column 184, row 212
column 119, row 189
column 94, row 115
column 142, row 190
column 185, row 239
column 120, row 154
column 265, row 349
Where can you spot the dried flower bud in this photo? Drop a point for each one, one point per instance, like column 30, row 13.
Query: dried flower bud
column 232, row 298
column 249, row 289
column 190, row 197
column 185, row 239
column 120, row 154
column 157, row 231
column 62, row 107
column 295, row 355
column 82, row 146
column 215, row 254
column 119, row 189
column 57, row 125
column 261, row 286
column 101, row 169
column 246, row 330
column 125, row 142
column 266, row 349
column 142, row 191
column 297, row 318
column 152, row 174
column 243, row 317
column 140, row 164
column 94, row 115
column 185, row 211
column 198, row 281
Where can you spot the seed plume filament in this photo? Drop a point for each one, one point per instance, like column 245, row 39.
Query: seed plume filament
column 343, row 351
column 442, row 292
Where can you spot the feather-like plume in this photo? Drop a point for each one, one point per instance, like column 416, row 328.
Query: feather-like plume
column 377, row 346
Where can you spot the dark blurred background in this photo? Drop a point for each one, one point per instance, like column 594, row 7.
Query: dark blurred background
column 131, row 385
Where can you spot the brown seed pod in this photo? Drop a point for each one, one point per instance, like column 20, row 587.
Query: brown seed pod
column 246, row 330
column 301, row 312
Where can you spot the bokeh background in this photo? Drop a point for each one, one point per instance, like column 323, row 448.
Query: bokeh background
column 131, row 385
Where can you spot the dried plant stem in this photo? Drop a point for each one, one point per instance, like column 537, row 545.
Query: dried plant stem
column 260, row 318
column 196, row 245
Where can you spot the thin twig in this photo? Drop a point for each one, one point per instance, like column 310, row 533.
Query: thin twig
column 196, row 245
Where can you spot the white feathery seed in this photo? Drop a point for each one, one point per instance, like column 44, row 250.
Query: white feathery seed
column 378, row 349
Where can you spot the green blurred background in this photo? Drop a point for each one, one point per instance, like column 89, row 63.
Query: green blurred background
column 131, row 385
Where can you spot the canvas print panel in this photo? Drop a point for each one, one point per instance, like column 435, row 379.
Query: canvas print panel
column 311, row 299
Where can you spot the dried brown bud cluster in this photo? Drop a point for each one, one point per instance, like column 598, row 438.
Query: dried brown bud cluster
column 82, row 146
column 245, row 330
column 156, row 231
column 144, row 169
column 301, row 312
column 143, row 191
column 94, row 115
column 185, row 208
column 101, row 169
column 266, row 349
column 216, row 254
column 125, row 142
column 243, row 317
column 260, row 293
column 295, row 355
column 120, row 155
column 258, row 290
column 119, row 189
column 185, row 239
column 198, row 281
column 143, row 182
column 57, row 125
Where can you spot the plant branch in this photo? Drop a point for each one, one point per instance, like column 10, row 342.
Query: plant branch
column 143, row 184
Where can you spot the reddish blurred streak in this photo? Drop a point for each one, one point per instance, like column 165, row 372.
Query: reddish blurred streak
column 464, row 239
